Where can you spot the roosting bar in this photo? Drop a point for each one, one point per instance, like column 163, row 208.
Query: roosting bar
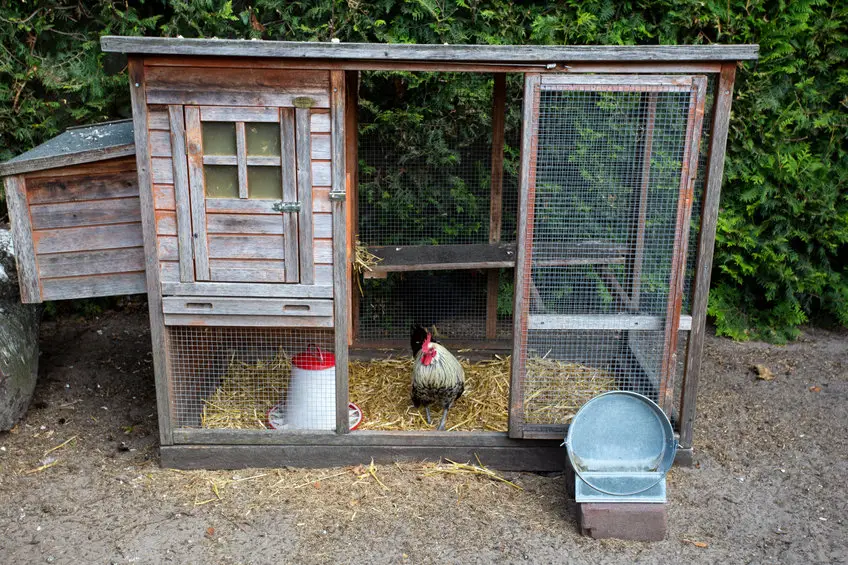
column 280, row 294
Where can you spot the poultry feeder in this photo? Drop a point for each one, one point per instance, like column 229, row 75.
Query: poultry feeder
column 311, row 404
column 621, row 445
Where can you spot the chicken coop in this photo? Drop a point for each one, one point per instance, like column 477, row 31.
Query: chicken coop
column 556, row 234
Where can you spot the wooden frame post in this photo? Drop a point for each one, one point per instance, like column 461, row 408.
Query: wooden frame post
column 706, row 244
column 496, row 198
column 25, row 261
column 523, row 281
column 681, row 237
column 158, row 331
column 338, row 196
column 352, row 187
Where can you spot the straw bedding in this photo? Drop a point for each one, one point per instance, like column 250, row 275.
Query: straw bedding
column 554, row 391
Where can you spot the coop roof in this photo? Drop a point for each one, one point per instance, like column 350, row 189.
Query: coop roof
column 490, row 54
column 81, row 144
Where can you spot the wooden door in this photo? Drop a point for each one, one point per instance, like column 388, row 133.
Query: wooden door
column 606, row 188
column 246, row 209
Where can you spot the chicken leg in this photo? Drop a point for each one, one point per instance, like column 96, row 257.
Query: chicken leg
column 444, row 419
column 427, row 411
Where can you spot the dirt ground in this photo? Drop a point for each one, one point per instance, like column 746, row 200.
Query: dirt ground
column 769, row 487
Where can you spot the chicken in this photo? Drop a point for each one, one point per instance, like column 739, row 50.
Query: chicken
column 437, row 377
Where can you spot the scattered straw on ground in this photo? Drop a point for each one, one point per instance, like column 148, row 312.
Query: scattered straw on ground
column 381, row 388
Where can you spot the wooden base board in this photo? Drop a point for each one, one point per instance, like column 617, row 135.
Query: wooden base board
column 536, row 459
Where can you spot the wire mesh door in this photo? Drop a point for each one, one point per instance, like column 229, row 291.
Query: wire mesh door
column 608, row 166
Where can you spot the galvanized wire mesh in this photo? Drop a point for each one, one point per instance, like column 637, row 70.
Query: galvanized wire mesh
column 452, row 301
column 429, row 183
column 604, row 217
column 225, row 377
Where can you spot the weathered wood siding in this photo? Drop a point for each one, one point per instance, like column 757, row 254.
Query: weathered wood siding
column 245, row 239
column 86, row 230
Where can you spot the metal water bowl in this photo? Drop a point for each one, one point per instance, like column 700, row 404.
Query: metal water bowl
column 621, row 445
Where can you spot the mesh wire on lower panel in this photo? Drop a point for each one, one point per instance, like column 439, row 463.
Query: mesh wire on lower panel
column 235, row 378
column 566, row 368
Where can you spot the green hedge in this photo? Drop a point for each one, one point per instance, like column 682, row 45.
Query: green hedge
column 781, row 245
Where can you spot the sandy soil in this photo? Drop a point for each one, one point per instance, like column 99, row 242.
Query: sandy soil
column 769, row 486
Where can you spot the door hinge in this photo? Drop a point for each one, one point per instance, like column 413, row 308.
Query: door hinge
column 286, row 207
column 340, row 195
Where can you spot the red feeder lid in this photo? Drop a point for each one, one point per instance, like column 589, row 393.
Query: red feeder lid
column 313, row 359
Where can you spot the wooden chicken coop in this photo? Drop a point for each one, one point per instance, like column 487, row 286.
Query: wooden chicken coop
column 246, row 218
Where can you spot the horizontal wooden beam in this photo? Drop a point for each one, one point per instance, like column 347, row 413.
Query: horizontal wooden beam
column 415, row 52
column 66, row 159
column 421, row 438
column 518, row 458
column 395, row 258
column 602, row 322
column 247, row 290
column 697, row 67
column 494, row 345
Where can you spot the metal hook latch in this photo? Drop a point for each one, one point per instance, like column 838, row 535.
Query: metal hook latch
column 286, row 207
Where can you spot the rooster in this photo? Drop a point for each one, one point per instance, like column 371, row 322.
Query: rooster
column 437, row 377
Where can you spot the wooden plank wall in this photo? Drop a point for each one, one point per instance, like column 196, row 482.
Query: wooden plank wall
column 86, row 229
column 262, row 235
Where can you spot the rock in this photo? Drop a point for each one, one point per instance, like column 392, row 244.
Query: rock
column 19, row 325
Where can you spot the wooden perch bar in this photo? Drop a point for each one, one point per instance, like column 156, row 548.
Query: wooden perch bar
column 496, row 198
column 441, row 258
column 406, row 258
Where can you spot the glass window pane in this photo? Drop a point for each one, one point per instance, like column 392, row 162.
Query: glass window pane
column 265, row 182
column 219, row 138
column 263, row 139
column 221, row 181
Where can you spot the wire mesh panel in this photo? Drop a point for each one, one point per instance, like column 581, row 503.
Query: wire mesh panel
column 609, row 191
column 251, row 378
column 425, row 179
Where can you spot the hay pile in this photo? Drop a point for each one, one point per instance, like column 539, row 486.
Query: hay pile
column 382, row 390
column 246, row 393
column 554, row 392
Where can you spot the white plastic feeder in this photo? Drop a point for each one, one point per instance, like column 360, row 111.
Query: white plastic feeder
column 311, row 402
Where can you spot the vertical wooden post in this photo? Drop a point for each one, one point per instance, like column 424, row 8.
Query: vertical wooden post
column 25, row 261
column 496, row 198
column 352, row 188
column 288, row 163
column 642, row 205
column 706, row 243
column 523, row 281
column 303, row 143
column 164, row 392
column 338, row 195
column 176, row 119
column 681, row 241
column 194, row 148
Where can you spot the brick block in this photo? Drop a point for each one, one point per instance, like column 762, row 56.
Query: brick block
column 627, row 521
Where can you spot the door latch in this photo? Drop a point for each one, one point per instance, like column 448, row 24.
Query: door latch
column 286, row 207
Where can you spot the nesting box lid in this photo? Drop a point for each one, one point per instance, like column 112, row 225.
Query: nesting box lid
column 76, row 145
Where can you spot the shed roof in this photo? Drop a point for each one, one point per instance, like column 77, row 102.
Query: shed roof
column 76, row 145
column 418, row 52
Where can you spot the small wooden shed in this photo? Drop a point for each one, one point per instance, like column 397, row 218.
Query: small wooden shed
column 246, row 157
column 76, row 218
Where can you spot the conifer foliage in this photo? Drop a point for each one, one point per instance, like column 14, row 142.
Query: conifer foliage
column 782, row 253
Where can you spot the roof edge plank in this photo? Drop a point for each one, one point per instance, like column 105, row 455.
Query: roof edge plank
column 423, row 52
column 75, row 146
